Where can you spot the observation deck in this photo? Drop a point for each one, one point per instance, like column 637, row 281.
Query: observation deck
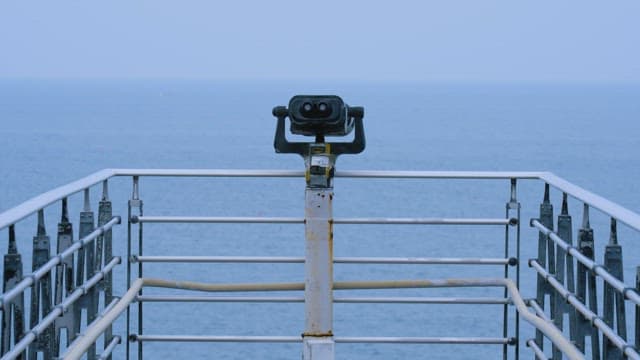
column 494, row 268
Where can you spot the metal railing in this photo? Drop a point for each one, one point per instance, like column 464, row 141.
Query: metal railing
column 77, row 279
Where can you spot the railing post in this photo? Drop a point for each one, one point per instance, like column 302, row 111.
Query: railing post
column 41, row 291
column 134, row 210
column 318, row 293
column 565, row 273
column 104, row 254
column 545, row 250
column 613, row 307
column 513, row 206
column 586, row 288
column 13, row 312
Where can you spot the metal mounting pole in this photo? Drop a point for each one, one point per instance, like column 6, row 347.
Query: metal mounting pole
column 135, row 210
column 318, row 343
column 512, row 210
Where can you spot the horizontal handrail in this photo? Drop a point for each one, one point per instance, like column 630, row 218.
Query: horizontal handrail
column 424, row 340
column 549, row 330
column 593, row 318
column 217, row 219
column 336, row 260
column 423, row 300
column 30, row 279
column 382, row 174
column 536, row 350
column 538, row 309
column 227, row 338
column 627, row 292
column 109, row 349
column 343, row 300
column 425, row 221
column 58, row 310
column 299, row 220
column 338, row 339
column 107, row 308
column 29, row 207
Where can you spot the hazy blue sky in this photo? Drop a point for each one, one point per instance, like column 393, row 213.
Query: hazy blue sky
column 372, row 40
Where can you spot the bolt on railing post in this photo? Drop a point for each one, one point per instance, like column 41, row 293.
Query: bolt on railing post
column 565, row 272
column 13, row 312
column 134, row 210
column 613, row 307
column 104, row 253
column 512, row 206
column 545, row 250
column 586, row 287
column 41, row 291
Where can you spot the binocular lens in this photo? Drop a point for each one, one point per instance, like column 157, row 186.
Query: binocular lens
column 315, row 110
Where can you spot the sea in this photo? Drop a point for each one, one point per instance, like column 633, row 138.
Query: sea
column 54, row 131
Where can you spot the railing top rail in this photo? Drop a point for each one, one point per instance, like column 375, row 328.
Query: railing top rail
column 209, row 172
column 29, row 207
column 410, row 174
column 608, row 207
column 390, row 174
column 36, row 203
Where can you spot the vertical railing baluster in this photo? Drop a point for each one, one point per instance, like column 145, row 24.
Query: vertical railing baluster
column 41, row 292
column 89, row 302
column 542, row 289
column 559, row 308
column 135, row 210
column 613, row 307
column 141, row 253
column 70, row 320
column 565, row 270
column 75, row 316
column 513, row 206
column 104, row 253
column 586, row 287
column 13, row 311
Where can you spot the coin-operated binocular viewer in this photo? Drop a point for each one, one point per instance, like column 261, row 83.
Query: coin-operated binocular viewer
column 319, row 116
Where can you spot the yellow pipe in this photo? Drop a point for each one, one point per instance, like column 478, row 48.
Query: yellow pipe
column 92, row 334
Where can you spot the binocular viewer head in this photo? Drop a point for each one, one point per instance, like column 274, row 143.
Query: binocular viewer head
column 319, row 116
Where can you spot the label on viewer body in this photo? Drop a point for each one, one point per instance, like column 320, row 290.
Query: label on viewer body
column 322, row 161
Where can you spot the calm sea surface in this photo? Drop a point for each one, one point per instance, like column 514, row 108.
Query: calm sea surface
column 53, row 132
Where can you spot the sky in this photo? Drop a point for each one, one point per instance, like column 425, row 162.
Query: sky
column 453, row 40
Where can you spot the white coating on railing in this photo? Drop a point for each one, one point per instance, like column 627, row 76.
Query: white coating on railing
column 130, row 296
column 617, row 212
column 608, row 207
